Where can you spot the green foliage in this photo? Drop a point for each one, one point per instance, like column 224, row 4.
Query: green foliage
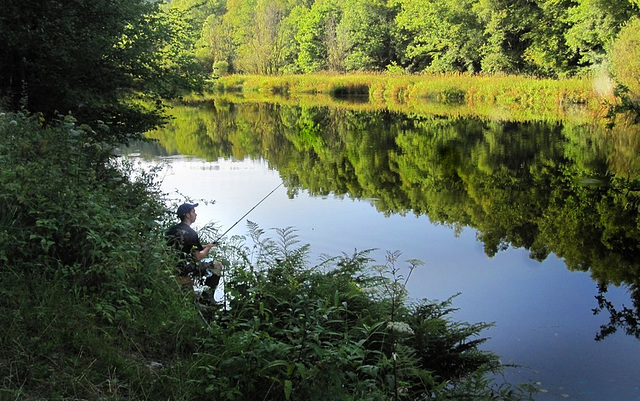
column 262, row 52
column 87, row 295
column 548, row 38
column 101, row 61
column 367, row 29
column 506, row 26
column 625, row 58
column 315, row 26
column 443, row 36
column 220, row 68
column 339, row 330
column 594, row 24
column 548, row 53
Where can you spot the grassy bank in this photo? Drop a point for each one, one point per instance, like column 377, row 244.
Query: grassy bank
column 503, row 97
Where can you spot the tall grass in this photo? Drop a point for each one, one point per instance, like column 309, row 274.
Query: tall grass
column 512, row 97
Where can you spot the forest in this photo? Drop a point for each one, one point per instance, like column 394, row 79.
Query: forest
column 550, row 38
column 118, row 63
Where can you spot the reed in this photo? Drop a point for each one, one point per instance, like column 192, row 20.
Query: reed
column 502, row 97
column 435, row 86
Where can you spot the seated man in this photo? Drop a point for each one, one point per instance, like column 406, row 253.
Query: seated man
column 185, row 240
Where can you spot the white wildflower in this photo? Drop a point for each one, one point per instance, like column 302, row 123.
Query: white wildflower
column 400, row 327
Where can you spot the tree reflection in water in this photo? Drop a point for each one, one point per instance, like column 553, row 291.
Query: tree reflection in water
column 571, row 189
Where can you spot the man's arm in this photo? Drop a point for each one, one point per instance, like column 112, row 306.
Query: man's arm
column 199, row 255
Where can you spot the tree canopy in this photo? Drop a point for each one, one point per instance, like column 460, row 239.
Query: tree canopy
column 541, row 37
column 100, row 60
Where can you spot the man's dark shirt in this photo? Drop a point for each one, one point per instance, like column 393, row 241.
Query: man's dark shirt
column 184, row 239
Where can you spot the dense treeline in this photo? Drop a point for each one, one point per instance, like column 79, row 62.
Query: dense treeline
column 541, row 37
column 108, row 63
column 116, row 62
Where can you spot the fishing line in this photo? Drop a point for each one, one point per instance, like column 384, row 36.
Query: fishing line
column 250, row 210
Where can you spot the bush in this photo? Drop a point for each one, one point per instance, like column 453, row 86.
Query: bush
column 87, row 299
column 625, row 58
column 220, row 68
column 340, row 330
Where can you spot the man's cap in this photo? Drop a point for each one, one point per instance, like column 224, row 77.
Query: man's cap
column 184, row 209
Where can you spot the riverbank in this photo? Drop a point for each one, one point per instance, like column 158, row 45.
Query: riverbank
column 494, row 97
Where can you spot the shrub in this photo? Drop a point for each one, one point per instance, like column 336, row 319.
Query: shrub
column 335, row 331
column 625, row 58
column 87, row 299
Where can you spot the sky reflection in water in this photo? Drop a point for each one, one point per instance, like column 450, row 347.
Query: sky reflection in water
column 543, row 312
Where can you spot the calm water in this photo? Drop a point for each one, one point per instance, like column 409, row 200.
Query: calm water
column 523, row 220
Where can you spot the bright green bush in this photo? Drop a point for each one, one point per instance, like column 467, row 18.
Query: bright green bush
column 625, row 58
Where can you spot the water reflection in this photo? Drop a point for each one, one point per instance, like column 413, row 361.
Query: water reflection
column 568, row 189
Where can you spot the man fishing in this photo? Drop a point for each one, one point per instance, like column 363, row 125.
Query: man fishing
column 186, row 241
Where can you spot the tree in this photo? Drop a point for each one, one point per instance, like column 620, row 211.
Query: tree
column 443, row 35
column 215, row 44
column 507, row 24
column 199, row 10
column 625, row 58
column 547, row 52
column 312, row 35
column 594, row 23
column 200, row 15
column 262, row 52
column 366, row 25
column 96, row 59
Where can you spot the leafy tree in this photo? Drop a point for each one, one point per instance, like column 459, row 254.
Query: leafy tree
column 178, row 55
column 289, row 45
column 200, row 14
column 541, row 37
column 215, row 44
column 625, row 58
column 547, row 52
column 95, row 59
column 507, row 24
column 263, row 53
column 594, row 23
column 445, row 35
column 315, row 26
column 366, row 25
column 199, row 10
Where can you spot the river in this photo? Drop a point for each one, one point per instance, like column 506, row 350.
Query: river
column 530, row 223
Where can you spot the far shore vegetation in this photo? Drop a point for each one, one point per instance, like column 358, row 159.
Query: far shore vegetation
column 514, row 98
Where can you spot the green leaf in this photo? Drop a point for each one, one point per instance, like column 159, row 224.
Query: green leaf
column 288, row 388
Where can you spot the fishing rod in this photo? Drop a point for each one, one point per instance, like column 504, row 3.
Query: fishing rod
column 245, row 215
